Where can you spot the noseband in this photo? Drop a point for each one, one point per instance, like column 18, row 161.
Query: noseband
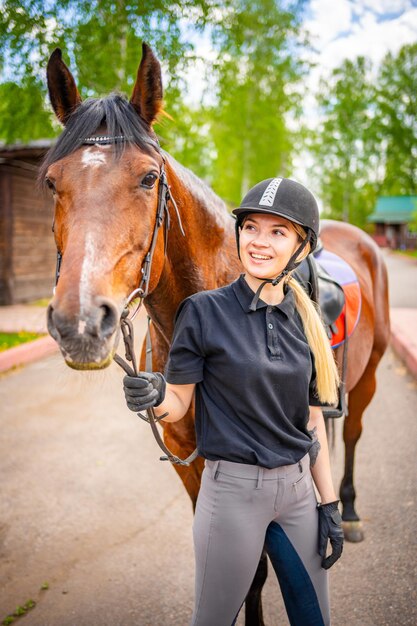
column 162, row 217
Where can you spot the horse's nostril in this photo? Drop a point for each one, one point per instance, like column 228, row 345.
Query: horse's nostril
column 53, row 331
column 108, row 320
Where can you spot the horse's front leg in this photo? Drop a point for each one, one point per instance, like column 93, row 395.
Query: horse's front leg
column 253, row 602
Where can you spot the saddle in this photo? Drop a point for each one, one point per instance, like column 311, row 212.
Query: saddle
column 334, row 286
column 322, row 289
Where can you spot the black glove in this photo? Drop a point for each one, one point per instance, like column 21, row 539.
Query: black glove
column 144, row 390
column 330, row 527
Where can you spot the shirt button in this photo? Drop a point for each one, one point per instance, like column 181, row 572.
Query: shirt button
column 271, row 326
column 269, row 309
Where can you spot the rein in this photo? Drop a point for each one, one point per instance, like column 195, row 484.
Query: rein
column 126, row 321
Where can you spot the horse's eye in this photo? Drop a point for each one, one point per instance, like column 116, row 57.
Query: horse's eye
column 149, row 181
column 50, row 185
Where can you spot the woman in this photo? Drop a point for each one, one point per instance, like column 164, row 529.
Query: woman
column 260, row 369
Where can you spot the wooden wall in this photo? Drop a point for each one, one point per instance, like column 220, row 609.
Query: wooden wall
column 27, row 248
column 6, row 235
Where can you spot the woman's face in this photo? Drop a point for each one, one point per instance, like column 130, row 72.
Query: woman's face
column 267, row 243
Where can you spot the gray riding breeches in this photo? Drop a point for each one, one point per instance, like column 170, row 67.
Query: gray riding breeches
column 242, row 508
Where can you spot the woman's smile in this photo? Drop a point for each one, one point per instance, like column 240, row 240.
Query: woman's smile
column 259, row 257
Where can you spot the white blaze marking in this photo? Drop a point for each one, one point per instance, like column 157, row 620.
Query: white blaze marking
column 81, row 327
column 93, row 157
column 89, row 263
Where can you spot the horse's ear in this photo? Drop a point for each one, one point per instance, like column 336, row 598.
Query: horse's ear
column 147, row 92
column 63, row 91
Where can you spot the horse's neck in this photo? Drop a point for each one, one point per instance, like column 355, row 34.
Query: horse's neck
column 205, row 258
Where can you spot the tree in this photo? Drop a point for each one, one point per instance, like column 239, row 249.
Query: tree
column 344, row 143
column 241, row 139
column 397, row 121
column 256, row 70
column 23, row 114
column 365, row 144
column 102, row 41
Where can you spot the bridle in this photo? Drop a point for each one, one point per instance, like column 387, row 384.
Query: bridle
column 162, row 217
column 126, row 321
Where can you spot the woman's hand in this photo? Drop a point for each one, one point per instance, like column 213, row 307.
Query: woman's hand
column 330, row 528
column 151, row 390
column 143, row 391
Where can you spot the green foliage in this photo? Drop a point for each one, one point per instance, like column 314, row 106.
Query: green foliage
column 239, row 138
column 101, row 41
column 344, row 143
column 19, row 612
column 10, row 340
column 256, row 69
column 412, row 226
column 23, row 116
column 366, row 141
column 397, row 120
column 187, row 138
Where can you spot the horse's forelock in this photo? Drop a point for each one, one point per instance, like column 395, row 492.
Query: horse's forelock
column 115, row 114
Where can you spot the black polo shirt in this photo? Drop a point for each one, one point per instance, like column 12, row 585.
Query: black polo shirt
column 254, row 372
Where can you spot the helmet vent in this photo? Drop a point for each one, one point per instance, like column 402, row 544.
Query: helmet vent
column 270, row 192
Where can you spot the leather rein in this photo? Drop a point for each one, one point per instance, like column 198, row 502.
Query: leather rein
column 126, row 321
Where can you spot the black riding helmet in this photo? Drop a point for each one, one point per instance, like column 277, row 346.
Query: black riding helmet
column 289, row 199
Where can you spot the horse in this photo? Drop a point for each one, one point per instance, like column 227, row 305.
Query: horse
column 106, row 172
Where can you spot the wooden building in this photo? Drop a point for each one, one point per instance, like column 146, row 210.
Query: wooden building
column 27, row 248
column 392, row 216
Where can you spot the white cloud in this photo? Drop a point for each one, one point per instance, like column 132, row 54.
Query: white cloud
column 328, row 19
column 371, row 38
column 386, row 6
column 196, row 74
column 345, row 29
column 368, row 35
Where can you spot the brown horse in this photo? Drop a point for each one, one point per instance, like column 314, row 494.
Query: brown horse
column 104, row 173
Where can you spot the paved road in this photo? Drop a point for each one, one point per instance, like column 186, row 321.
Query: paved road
column 402, row 271
column 87, row 507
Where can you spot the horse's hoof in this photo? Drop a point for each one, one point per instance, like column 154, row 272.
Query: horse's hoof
column 353, row 531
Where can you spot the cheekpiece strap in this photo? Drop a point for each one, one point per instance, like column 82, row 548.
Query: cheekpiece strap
column 255, row 299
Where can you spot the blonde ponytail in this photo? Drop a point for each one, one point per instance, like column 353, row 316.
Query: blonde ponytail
column 326, row 368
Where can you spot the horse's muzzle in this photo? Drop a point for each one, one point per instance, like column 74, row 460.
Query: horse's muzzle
column 86, row 340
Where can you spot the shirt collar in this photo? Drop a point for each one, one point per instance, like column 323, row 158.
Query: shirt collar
column 245, row 295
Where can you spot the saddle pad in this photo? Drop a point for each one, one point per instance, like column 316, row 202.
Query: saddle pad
column 342, row 273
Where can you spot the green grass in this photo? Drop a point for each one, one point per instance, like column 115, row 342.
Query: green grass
column 10, row 340
column 41, row 302
column 19, row 612
column 412, row 253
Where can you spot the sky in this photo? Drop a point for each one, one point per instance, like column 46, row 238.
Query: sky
column 345, row 29
column 339, row 29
